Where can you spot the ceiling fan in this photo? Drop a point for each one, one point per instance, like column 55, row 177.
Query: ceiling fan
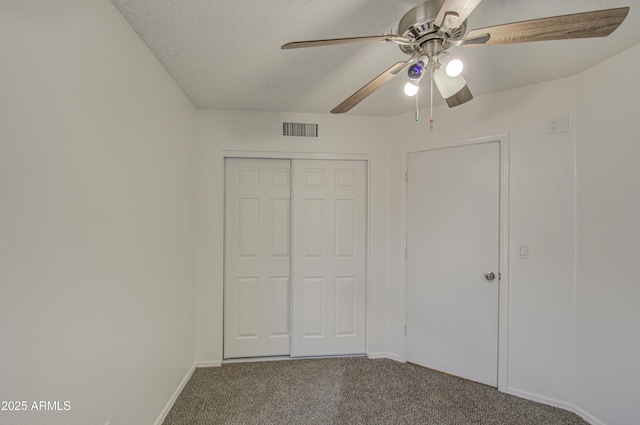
column 429, row 30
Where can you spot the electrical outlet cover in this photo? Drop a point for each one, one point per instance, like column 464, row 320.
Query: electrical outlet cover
column 559, row 124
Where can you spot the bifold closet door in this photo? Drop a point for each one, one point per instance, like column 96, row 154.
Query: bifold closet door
column 328, row 257
column 257, row 257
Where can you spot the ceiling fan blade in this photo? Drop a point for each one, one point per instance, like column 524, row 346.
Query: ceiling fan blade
column 454, row 90
column 599, row 23
column 454, row 12
column 468, row 41
column 369, row 88
column 399, row 39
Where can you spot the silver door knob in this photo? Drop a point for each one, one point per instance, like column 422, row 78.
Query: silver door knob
column 489, row 276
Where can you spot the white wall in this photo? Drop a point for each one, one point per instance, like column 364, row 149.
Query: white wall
column 608, row 247
column 218, row 131
column 97, row 208
column 541, row 214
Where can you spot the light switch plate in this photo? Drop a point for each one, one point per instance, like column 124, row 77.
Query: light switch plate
column 523, row 251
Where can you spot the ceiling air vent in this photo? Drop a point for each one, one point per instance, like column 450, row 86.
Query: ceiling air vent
column 297, row 129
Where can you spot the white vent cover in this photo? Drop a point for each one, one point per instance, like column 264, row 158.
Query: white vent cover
column 297, row 129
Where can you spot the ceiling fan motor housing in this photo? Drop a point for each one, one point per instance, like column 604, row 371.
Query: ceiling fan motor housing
column 418, row 23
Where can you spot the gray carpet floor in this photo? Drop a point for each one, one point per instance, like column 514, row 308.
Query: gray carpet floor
column 349, row 391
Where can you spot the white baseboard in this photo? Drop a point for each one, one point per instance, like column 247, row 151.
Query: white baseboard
column 390, row 356
column 174, row 397
column 556, row 403
column 587, row 416
column 258, row 359
column 216, row 363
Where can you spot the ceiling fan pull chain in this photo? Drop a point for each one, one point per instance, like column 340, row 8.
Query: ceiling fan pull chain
column 431, row 93
column 417, row 110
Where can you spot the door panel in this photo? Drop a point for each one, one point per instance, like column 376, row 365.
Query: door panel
column 452, row 241
column 314, row 223
column 314, row 307
column 257, row 257
column 329, row 258
column 279, row 306
column 345, row 306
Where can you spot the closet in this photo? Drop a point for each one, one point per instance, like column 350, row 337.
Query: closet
column 295, row 257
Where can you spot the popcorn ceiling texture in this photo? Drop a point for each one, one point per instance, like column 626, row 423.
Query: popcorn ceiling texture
column 226, row 54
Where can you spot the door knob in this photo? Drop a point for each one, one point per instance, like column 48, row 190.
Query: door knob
column 489, row 276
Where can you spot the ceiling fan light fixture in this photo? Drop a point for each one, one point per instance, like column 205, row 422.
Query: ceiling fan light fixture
column 454, row 90
column 452, row 66
column 415, row 71
column 411, row 88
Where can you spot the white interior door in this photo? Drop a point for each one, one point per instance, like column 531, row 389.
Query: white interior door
column 452, row 241
column 328, row 257
column 257, row 257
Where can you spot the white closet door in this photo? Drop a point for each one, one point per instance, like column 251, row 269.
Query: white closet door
column 328, row 257
column 257, row 257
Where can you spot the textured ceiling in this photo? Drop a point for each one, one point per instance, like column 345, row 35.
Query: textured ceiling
column 225, row 54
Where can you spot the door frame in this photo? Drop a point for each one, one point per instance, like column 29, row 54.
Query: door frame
column 503, row 256
column 224, row 154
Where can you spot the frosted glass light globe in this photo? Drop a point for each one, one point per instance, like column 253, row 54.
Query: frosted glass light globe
column 411, row 89
column 454, row 68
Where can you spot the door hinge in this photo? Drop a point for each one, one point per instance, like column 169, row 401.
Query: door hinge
column 405, row 329
column 406, row 177
column 406, row 253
